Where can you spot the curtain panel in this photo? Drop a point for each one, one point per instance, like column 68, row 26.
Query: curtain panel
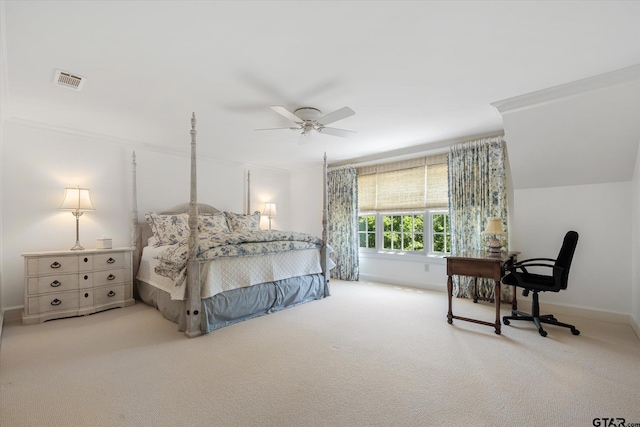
column 342, row 194
column 477, row 191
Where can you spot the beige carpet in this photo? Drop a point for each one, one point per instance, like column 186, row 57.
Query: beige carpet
column 370, row 354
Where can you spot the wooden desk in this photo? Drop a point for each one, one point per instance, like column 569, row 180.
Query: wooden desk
column 479, row 264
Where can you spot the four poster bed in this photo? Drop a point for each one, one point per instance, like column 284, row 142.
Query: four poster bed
column 205, row 269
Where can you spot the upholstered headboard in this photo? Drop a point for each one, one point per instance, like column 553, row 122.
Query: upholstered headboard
column 145, row 230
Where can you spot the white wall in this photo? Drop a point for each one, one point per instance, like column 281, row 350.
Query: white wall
column 424, row 273
column 306, row 194
column 635, row 253
column 600, row 277
column 38, row 163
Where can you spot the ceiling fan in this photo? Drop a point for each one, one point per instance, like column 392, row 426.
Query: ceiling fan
column 309, row 119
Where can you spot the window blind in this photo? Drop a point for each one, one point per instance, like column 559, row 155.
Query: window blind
column 413, row 184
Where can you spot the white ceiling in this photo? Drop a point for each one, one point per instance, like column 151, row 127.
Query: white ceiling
column 417, row 73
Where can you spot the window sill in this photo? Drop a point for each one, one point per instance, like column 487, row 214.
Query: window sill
column 403, row 256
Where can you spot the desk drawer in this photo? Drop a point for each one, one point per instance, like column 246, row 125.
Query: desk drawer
column 488, row 270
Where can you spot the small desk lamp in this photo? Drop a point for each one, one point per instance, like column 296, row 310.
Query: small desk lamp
column 270, row 211
column 77, row 200
column 495, row 231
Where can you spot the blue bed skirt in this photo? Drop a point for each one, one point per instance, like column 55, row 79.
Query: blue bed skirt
column 241, row 304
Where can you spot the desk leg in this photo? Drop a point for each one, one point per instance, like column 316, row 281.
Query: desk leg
column 450, row 295
column 496, row 298
column 475, row 290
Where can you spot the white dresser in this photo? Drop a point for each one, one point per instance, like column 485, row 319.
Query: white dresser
column 74, row 283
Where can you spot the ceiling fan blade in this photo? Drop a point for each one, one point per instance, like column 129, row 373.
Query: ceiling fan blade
column 286, row 113
column 340, row 114
column 337, row 132
column 277, row 129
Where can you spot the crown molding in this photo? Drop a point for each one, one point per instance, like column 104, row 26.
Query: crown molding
column 136, row 144
column 578, row 87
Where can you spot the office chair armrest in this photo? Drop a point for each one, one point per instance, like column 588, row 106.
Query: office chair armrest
column 526, row 261
column 557, row 273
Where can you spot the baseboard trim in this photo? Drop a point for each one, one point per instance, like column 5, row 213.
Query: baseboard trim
column 13, row 313
column 1, row 324
column 589, row 313
column 635, row 326
column 407, row 283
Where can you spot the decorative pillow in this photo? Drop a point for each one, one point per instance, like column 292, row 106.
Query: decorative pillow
column 213, row 223
column 240, row 222
column 168, row 229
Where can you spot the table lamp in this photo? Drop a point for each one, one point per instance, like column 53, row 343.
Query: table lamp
column 496, row 234
column 77, row 200
column 269, row 211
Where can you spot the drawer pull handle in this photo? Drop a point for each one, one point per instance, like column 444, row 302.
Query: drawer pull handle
column 111, row 277
column 111, row 260
column 111, row 294
column 55, row 284
column 56, row 302
column 86, row 295
column 56, row 264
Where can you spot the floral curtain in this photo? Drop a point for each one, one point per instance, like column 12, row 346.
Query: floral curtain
column 477, row 191
column 342, row 195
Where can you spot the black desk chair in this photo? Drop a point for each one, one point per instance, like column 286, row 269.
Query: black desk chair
column 531, row 282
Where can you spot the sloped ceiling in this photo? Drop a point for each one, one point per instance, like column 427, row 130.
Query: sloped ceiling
column 416, row 73
column 586, row 132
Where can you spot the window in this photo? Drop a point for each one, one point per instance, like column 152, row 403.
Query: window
column 403, row 206
column 367, row 231
column 403, row 232
column 440, row 232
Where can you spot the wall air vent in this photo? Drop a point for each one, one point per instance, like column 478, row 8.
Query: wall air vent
column 66, row 79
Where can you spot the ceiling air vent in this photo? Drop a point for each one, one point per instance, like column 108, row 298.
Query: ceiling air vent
column 69, row 80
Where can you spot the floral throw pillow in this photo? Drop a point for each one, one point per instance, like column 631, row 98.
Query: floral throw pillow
column 215, row 223
column 168, row 229
column 239, row 223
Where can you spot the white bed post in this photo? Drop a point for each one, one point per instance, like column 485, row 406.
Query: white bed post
column 193, row 304
column 325, row 225
column 135, row 230
column 248, row 192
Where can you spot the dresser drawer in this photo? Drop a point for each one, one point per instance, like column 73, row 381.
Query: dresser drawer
column 109, row 260
column 115, row 276
column 53, row 302
column 47, row 284
column 52, row 265
column 108, row 295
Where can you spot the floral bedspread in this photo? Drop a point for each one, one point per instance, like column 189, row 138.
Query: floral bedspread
column 173, row 260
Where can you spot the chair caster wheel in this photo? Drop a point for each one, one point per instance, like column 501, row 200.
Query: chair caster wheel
column 506, row 321
column 574, row 331
column 542, row 332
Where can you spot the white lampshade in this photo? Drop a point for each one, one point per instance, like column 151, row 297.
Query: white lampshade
column 269, row 210
column 77, row 199
column 494, row 226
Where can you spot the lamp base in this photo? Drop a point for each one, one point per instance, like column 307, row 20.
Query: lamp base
column 77, row 247
column 494, row 246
